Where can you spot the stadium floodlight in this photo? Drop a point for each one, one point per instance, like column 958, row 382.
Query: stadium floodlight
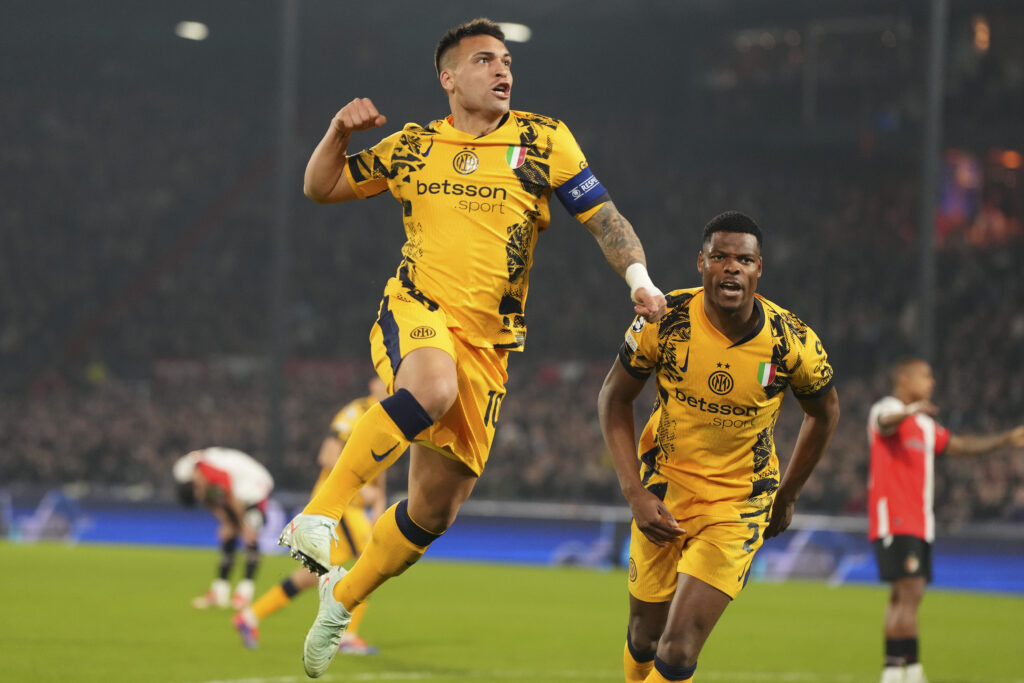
column 192, row 30
column 515, row 33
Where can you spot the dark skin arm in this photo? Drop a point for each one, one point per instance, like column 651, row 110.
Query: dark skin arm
column 615, row 408
column 820, row 417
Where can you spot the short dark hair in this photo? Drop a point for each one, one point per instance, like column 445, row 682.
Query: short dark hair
column 477, row 27
column 731, row 221
column 900, row 365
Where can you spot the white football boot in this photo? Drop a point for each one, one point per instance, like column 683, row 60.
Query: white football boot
column 218, row 596
column 243, row 594
column 914, row 673
column 892, row 674
column 325, row 634
column 309, row 538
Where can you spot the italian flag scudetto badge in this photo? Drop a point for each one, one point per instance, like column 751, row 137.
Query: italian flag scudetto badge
column 515, row 156
column 765, row 373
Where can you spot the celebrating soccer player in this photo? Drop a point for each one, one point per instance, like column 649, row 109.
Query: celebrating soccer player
column 904, row 442
column 354, row 527
column 705, row 490
column 474, row 190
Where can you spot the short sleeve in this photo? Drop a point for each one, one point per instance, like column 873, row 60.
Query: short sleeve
column 367, row 171
column 639, row 352
column 344, row 422
column 890, row 405
column 575, row 184
column 813, row 375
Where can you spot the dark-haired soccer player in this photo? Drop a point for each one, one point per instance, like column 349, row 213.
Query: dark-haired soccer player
column 904, row 441
column 706, row 489
column 474, row 190
column 235, row 488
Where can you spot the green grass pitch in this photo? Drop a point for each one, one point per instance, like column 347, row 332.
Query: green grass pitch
column 99, row 613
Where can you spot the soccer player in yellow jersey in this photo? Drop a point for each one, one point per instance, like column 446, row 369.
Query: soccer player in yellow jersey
column 354, row 527
column 703, row 486
column 474, row 190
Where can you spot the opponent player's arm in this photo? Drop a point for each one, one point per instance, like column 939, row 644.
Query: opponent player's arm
column 323, row 182
column 889, row 421
column 960, row 444
column 821, row 414
column 615, row 408
column 625, row 254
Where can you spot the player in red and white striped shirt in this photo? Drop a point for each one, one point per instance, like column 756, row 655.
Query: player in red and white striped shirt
column 905, row 439
column 235, row 488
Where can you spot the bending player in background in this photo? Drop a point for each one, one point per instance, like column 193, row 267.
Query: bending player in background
column 904, row 441
column 474, row 189
column 354, row 526
column 705, row 490
column 235, row 488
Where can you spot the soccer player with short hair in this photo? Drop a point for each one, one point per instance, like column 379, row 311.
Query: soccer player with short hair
column 354, row 528
column 904, row 439
column 235, row 487
column 474, row 188
column 704, row 484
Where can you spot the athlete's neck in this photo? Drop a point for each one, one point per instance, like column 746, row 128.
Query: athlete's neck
column 735, row 325
column 476, row 124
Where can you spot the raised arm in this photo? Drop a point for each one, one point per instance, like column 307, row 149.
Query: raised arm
column 887, row 422
column 820, row 417
column 323, row 179
column 615, row 408
column 977, row 445
column 624, row 252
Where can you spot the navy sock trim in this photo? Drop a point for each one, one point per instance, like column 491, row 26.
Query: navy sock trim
column 289, row 588
column 674, row 673
column 252, row 560
column 416, row 534
column 407, row 413
column 638, row 656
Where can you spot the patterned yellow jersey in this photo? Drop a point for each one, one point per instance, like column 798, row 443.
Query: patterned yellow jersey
column 473, row 208
column 708, row 447
column 341, row 428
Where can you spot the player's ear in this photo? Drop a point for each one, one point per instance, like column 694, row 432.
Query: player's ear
column 700, row 261
column 447, row 80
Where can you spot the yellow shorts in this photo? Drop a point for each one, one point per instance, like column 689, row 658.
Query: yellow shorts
column 716, row 550
column 406, row 323
column 353, row 535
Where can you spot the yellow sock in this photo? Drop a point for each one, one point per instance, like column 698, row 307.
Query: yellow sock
column 271, row 601
column 357, row 618
column 379, row 438
column 636, row 671
column 396, row 544
column 656, row 676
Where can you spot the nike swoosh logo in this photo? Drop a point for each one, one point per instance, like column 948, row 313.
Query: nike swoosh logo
column 687, row 361
column 380, row 456
column 429, row 147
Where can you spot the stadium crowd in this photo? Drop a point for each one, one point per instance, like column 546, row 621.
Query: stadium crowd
column 158, row 252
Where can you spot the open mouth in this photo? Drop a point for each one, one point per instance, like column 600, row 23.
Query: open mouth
column 502, row 90
column 731, row 287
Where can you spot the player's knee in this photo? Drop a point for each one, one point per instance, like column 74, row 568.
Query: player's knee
column 437, row 395
column 677, row 652
column 643, row 638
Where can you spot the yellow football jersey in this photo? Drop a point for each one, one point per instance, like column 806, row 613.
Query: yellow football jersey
column 341, row 427
column 709, row 445
column 473, row 208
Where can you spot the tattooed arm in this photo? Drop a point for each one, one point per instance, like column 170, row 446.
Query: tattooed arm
column 622, row 248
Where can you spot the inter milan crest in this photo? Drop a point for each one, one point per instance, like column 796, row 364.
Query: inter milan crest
column 466, row 162
column 720, row 382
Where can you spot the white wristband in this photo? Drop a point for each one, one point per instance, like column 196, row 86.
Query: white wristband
column 637, row 277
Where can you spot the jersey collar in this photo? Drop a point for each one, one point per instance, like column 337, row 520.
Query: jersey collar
column 698, row 302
